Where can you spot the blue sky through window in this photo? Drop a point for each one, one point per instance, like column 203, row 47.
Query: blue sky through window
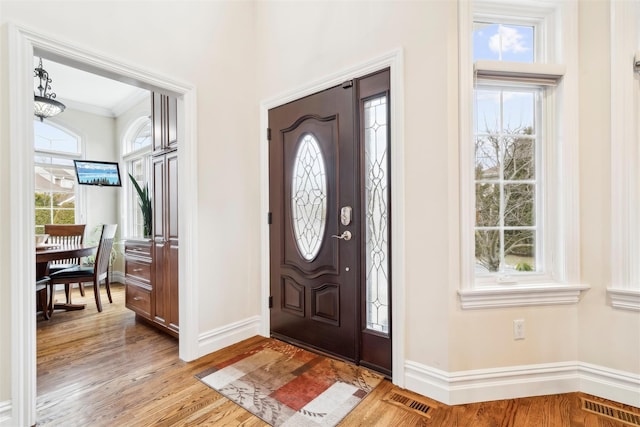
column 51, row 138
column 502, row 42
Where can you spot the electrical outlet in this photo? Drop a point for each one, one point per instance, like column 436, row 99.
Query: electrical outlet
column 518, row 329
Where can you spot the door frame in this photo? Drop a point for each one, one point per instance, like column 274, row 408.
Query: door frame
column 395, row 62
column 22, row 44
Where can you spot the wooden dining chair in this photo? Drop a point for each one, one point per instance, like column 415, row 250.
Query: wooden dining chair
column 95, row 274
column 41, row 292
column 65, row 234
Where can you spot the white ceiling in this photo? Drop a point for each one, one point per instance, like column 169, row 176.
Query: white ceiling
column 89, row 92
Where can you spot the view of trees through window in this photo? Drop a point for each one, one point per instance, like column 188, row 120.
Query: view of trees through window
column 507, row 145
column 505, row 214
column 55, row 183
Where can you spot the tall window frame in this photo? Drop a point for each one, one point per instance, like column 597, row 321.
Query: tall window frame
column 624, row 287
column 554, row 70
column 136, row 148
column 58, row 200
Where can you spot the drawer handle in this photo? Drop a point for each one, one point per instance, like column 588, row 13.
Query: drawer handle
column 137, row 269
column 137, row 299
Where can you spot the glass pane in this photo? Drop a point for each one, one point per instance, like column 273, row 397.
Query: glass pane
column 377, row 213
column 142, row 137
column 519, row 250
column 487, row 251
column 50, row 138
column 518, row 112
column 487, row 205
column 487, row 111
column 502, row 42
column 309, row 197
column 519, row 208
column 519, row 159
column 55, row 191
column 487, row 158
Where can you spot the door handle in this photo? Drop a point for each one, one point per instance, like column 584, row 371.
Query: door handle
column 344, row 236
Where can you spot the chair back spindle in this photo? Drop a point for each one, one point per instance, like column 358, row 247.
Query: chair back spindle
column 65, row 235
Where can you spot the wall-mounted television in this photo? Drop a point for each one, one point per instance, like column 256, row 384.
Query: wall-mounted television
column 105, row 174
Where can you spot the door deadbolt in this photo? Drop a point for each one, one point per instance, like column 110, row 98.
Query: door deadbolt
column 345, row 215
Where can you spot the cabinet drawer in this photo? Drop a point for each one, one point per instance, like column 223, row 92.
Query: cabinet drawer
column 142, row 249
column 139, row 271
column 139, row 300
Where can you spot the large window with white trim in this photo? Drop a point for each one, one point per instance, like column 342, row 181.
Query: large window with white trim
column 56, row 197
column 519, row 176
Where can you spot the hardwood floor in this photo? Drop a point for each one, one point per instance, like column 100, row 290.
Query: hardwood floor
column 106, row 369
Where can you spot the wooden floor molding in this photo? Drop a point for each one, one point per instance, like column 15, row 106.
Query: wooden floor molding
column 106, row 369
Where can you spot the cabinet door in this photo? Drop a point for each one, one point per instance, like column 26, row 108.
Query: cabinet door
column 159, row 240
column 171, row 245
column 172, row 122
column 158, row 111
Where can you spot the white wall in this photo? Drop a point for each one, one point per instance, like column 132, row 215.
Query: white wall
column 211, row 45
column 99, row 143
column 607, row 337
column 239, row 53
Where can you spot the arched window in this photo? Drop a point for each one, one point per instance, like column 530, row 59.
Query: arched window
column 55, row 148
column 138, row 136
column 136, row 157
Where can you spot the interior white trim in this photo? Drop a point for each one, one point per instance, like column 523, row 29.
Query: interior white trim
column 22, row 43
column 456, row 388
column 5, row 412
column 625, row 157
column 226, row 335
column 395, row 61
column 625, row 299
column 520, row 296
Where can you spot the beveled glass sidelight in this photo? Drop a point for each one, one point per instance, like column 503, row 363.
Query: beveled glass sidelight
column 309, row 197
column 376, row 208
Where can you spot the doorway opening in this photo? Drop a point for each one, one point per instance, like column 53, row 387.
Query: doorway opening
column 23, row 44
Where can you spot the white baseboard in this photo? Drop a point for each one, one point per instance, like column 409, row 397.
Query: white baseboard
column 619, row 386
column 117, row 277
column 5, row 413
column 227, row 335
column 454, row 388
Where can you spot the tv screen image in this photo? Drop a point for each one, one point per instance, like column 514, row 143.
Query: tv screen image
column 91, row 172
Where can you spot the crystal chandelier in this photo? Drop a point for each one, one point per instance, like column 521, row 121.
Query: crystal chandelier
column 44, row 104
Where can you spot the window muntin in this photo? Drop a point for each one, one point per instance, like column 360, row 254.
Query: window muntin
column 139, row 135
column 48, row 137
column 508, row 189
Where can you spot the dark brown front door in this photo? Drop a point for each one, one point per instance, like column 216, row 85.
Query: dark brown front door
column 314, row 276
column 319, row 230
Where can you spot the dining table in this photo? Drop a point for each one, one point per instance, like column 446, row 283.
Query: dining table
column 45, row 253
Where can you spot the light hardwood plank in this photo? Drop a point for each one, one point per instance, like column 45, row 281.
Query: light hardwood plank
column 106, row 369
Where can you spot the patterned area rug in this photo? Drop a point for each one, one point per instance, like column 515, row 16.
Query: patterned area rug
column 287, row 386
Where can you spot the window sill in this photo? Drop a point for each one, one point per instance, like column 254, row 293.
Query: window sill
column 520, row 295
column 626, row 299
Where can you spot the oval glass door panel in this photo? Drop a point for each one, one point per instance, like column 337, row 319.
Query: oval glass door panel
column 309, row 197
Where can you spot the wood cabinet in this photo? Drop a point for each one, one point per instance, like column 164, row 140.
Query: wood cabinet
column 152, row 266
column 165, row 123
column 138, row 273
column 165, row 239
